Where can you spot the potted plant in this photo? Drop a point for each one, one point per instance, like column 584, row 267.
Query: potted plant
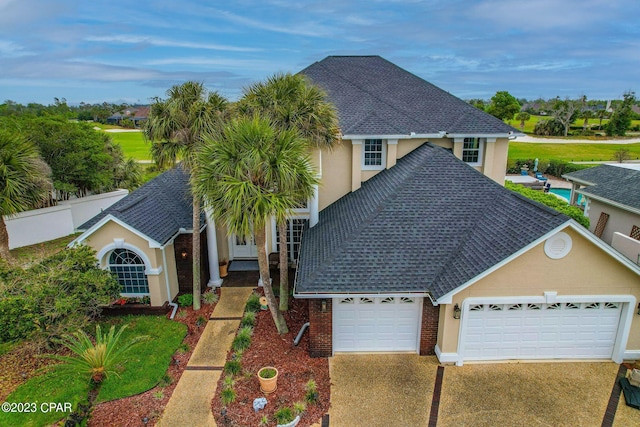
column 223, row 264
column 268, row 377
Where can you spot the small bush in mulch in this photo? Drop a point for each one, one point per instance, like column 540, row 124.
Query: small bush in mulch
column 295, row 370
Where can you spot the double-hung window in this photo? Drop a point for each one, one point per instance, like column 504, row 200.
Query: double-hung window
column 472, row 151
column 373, row 154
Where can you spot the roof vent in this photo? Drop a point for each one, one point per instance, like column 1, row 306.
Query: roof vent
column 558, row 246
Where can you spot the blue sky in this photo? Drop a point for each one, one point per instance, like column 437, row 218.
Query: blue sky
column 95, row 51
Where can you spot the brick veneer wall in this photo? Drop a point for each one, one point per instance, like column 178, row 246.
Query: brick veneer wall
column 320, row 329
column 429, row 328
column 184, row 267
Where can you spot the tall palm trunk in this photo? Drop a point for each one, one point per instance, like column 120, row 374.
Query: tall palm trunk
column 196, row 252
column 284, row 266
column 4, row 241
column 263, row 263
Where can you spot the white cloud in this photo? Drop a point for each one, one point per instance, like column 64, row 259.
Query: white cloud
column 155, row 41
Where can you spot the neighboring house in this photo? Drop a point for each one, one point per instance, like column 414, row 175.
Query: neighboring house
column 612, row 194
column 410, row 243
column 136, row 115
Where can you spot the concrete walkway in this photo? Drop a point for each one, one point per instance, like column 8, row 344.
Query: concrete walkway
column 190, row 403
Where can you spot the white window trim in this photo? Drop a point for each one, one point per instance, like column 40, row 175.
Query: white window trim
column 274, row 228
column 374, row 167
column 481, row 145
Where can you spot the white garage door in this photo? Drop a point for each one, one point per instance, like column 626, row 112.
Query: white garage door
column 541, row 331
column 389, row 324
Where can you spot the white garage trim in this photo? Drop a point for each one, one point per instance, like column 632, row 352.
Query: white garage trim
column 388, row 324
column 626, row 317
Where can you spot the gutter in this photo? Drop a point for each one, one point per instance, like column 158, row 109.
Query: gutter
column 166, row 282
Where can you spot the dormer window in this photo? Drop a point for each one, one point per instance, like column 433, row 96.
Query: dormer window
column 472, row 151
column 373, row 154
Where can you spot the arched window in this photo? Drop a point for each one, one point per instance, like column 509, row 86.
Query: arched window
column 129, row 270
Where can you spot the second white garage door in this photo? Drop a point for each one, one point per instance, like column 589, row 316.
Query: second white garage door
column 389, row 324
column 541, row 331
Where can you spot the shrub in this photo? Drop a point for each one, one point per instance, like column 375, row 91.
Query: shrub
column 183, row 348
column 253, row 303
column 232, row 367
column 242, row 341
column 284, row 415
column 165, row 381
column 182, row 314
column 228, row 382
column 550, row 127
column 158, row 394
column 299, row 407
column 311, row 392
column 210, row 297
column 200, row 321
column 249, row 319
column 185, row 300
column 228, row 395
column 551, row 201
column 55, row 297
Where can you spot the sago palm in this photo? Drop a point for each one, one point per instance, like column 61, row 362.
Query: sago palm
column 175, row 127
column 23, row 181
column 292, row 102
column 250, row 173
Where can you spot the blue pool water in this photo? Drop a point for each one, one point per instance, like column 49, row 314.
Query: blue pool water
column 565, row 193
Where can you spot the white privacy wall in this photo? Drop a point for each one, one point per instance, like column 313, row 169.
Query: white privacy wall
column 41, row 225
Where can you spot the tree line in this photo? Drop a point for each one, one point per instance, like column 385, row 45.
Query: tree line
column 563, row 113
column 46, row 159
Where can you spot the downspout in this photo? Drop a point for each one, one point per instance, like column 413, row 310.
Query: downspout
column 166, row 282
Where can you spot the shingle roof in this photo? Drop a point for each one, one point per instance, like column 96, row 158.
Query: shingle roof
column 376, row 97
column 429, row 223
column 158, row 209
column 618, row 184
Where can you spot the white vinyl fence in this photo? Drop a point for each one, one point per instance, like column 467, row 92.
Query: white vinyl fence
column 41, row 225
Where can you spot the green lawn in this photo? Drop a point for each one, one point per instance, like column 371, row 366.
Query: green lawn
column 570, row 152
column 133, row 144
column 28, row 255
column 146, row 365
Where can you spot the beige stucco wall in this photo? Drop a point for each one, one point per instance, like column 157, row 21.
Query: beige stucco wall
column 619, row 219
column 157, row 288
column 586, row 270
column 336, row 174
column 342, row 173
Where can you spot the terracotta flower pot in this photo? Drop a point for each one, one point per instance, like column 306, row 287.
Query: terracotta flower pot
column 268, row 385
column 223, row 269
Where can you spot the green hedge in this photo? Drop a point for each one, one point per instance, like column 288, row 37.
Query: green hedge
column 551, row 201
column 550, row 167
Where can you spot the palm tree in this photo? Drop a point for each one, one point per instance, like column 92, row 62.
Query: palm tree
column 175, row 127
column 249, row 173
column 24, row 182
column 96, row 361
column 523, row 116
column 292, row 102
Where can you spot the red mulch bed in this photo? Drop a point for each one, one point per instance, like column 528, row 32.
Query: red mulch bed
column 130, row 411
column 295, row 368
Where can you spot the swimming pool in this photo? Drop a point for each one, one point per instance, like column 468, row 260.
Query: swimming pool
column 565, row 193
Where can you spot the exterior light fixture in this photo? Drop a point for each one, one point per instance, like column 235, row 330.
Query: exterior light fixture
column 456, row 311
column 145, row 420
column 184, row 254
column 323, row 305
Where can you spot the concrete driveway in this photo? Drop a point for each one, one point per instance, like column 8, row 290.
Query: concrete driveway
column 397, row 390
column 381, row 390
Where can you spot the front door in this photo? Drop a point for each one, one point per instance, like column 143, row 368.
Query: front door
column 244, row 247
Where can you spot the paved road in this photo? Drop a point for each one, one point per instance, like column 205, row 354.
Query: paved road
column 528, row 138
